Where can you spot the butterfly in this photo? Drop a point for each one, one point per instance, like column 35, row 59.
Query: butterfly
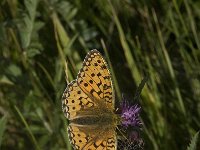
column 88, row 104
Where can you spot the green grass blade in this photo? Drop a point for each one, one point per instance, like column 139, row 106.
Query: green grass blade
column 193, row 143
column 116, row 84
column 126, row 48
column 169, row 64
column 3, row 122
column 27, row 24
column 62, row 41
column 28, row 129
column 192, row 23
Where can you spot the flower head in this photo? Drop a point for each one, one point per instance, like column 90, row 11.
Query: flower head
column 130, row 115
column 131, row 126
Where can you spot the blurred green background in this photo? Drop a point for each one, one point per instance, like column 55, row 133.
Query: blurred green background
column 159, row 38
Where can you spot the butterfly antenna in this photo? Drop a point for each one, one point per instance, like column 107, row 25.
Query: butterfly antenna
column 139, row 88
column 124, row 136
column 66, row 73
column 122, row 133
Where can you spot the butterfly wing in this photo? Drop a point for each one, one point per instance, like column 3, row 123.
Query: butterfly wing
column 74, row 101
column 85, row 138
column 93, row 87
column 95, row 79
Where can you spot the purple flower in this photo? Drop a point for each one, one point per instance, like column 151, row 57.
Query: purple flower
column 131, row 126
column 130, row 115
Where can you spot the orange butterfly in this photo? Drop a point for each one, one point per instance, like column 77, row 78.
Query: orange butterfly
column 88, row 103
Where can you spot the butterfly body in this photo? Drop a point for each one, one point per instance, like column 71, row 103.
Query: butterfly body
column 95, row 117
column 88, row 103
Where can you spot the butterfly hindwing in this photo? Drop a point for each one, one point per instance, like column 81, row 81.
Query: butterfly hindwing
column 75, row 100
column 92, row 139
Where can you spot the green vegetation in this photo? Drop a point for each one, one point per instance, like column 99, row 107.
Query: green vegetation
column 158, row 38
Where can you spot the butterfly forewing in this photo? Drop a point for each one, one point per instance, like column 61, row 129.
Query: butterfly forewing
column 94, row 78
